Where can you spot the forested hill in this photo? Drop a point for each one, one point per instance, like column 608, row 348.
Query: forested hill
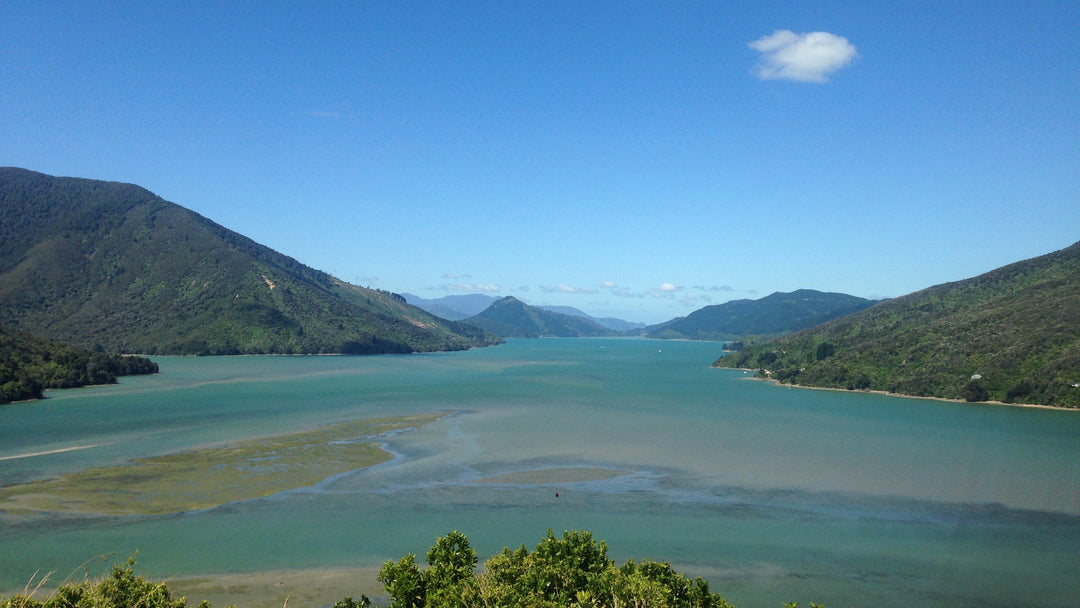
column 29, row 364
column 111, row 266
column 1012, row 335
column 512, row 318
column 776, row 314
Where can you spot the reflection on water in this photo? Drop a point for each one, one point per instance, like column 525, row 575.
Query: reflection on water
column 774, row 494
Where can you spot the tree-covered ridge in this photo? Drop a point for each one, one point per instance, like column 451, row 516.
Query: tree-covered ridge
column 29, row 365
column 512, row 318
column 775, row 314
column 112, row 266
column 1012, row 335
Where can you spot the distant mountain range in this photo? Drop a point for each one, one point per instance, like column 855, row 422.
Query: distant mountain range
column 775, row 314
column 464, row 306
column 512, row 318
column 1012, row 335
column 454, row 308
column 612, row 323
column 113, row 267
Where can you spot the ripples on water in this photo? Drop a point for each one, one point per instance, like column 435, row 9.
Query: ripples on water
column 774, row 494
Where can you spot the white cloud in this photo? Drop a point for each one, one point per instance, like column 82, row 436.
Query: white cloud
column 566, row 289
column 472, row 288
column 664, row 290
column 608, row 285
column 810, row 57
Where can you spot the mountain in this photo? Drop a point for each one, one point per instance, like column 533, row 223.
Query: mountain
column 111, row 266
column 454, row 308
column 611, row 323
column 512, row 318
column 1012, row 335
column 462, row 307
column 775, row 314
column 29, row 365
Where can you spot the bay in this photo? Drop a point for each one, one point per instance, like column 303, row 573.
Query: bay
column 772, row 493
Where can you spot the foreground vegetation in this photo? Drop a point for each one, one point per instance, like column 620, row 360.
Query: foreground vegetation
column 122, row 589
column 1011, row 335
column 29, row 365
column 572, row 571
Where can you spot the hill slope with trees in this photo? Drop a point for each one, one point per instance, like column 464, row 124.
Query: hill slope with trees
column 111, row 266
column 29, row 365
column 512, row 318
column 1011, row 335
column 775, row 314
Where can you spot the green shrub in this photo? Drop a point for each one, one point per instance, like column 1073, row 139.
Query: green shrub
column 570, row 571
column 121, row 589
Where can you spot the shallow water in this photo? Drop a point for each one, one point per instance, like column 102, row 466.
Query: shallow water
column 774, row 494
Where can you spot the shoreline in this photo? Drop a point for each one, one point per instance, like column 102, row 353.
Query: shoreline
column 304, row 588
column 1058, row 408
column 309, row 588
column 73, row 448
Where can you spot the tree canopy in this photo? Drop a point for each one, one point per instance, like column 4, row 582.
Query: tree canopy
column 29, row 365
column 573, row 570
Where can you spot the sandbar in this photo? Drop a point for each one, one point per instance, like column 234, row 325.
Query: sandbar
column 73, row 448
column 205, row 478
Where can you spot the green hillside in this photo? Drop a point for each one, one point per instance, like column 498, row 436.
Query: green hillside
column 111, row 266
column 512, row 318
column 776, row 314
column 1012, row 335
column 29, row 365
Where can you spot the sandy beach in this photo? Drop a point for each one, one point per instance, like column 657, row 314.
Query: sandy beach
column 294, row 588
column 888, row 394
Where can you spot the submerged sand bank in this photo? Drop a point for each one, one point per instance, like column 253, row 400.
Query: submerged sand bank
column 555, row 475
column 201, row 479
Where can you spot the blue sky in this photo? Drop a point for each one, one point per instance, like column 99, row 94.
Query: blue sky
column 638, row 160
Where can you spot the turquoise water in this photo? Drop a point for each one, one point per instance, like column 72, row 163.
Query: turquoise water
column 773, row 494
